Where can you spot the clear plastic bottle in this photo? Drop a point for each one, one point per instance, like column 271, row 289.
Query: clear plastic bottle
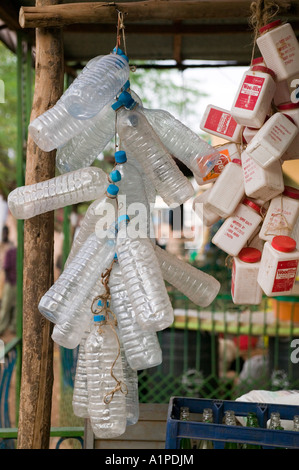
column 199, row 287
column 103, row 209
column 82, row 185
column 142, row 348
column 143, row 280
column 59, row 303
column 140, row 140
column 98, row 85
column 132, row 397
column 80, row 392
column 56, row 126
column 101, row 350
column 132, row 196
column 181, row 142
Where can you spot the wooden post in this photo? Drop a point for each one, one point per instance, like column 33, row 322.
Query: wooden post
column 37, row 360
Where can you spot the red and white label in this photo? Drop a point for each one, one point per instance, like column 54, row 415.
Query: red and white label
column 220, row 122
column 286, row 49
column 218, row 168
column 250, row 92
column 249, row 169
column 237, row 228
column 285, row 276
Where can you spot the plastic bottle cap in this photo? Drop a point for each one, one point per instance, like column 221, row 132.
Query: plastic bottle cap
column 120, row 156
column 290, row 118
column 250, row 255
column 126, row 86
column 126, row 99
column 97, row 318
column 291, row 192
column 261, row 68
column 252, row 204
column 257, row 60
column 120, row 52
column 115, row 256
column 289, row 105
column 283, row 243
column 238, row 161
column 271, row 25
column 112, row 189
column 123, row 217
column 100, row 303
column 115, row 176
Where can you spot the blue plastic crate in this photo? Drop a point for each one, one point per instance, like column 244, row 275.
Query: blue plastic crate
column 220, row 433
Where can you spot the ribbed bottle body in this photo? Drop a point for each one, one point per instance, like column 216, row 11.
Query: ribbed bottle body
column 80, row 392
column 199, row 287
column 140, row 141
column 181, row 142
column 82, row 185
column 82, row 150
column 107, row 419
column 143, row 281
column 132, row 397
column 102, row 210
column 141, row 347
column 97, row 86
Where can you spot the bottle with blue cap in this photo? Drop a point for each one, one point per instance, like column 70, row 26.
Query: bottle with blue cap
column 100, row 215
column 82, row 149
column 143, row 279
column 78, row 186
column 132, row 195
column 141, row 347
column 107, row 412
column 98, row 85
column 141, row 142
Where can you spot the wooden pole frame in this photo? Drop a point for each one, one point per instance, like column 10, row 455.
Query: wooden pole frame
column 106, row 12
column 37, row 358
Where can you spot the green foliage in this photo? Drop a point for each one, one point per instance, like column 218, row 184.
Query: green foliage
column 8, row 120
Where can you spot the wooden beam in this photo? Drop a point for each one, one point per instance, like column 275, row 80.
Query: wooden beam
column 9, row 14
column 106, row 12
column 37, row 360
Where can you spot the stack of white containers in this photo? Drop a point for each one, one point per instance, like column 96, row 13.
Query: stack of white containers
column 259, row 231
column 111, row 298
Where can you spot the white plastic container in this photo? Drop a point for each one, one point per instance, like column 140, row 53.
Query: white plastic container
column 249, row 132
column 292, row 110
column 272, row 140
column 219, row 121
column 261, row 183
column 278, row 266
column 282, row 214
column 279, row 47
column 208, row 216
column 228, row 190
column 236, row 230
column 244, row 286
column 227, row 153
column 253, row 98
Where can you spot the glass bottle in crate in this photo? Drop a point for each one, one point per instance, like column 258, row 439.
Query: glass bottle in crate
column 275, row 422
column 185, row 442
column 251, row 422
column 296, row 423
column 207, row 417
column 230, row 420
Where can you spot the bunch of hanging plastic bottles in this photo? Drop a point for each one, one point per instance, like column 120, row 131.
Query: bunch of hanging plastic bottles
column 111, row 300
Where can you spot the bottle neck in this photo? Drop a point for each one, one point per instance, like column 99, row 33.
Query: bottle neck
column 184, row 413
column 230, row 418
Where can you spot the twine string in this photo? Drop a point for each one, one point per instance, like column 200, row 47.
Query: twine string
column 283, row 222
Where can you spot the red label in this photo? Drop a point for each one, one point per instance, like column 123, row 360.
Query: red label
column 221, row 122
column 250, row 91
column 223, row 160
column 233, row 279
column 285, row 276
